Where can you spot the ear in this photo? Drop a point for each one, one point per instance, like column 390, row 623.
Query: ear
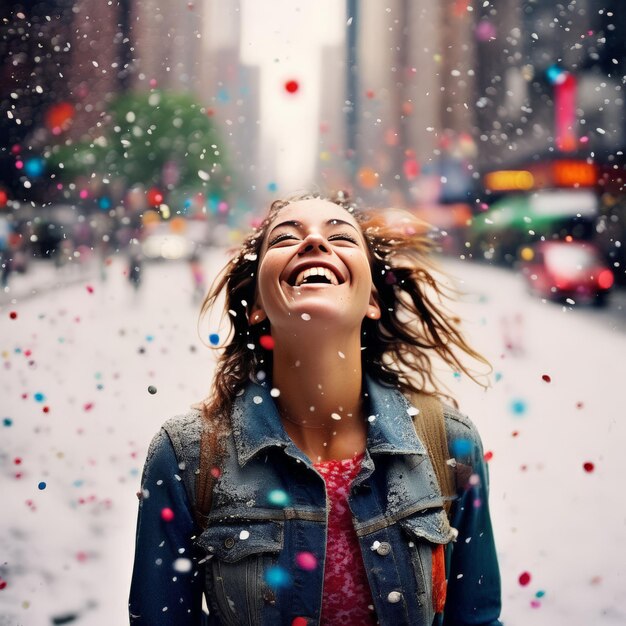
column 257, row 315
column 373, row 308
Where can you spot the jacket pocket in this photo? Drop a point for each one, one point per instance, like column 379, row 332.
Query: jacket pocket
column 426, row 533
column 239, row 555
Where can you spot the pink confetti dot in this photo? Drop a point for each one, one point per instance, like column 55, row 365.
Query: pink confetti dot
column 535, row 604
column 524, row 578
column 291, row 86
column 88, row 406
column 588, row 466
column 167, row 515
column 215, row 472
column 83, row 193
column 546, row 378
column 89, row 288
column 306, row 561
column 488, row 456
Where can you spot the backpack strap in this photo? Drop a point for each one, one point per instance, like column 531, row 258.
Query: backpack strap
column 430, row 426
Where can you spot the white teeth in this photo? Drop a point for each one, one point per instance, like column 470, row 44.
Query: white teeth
column 316, row 271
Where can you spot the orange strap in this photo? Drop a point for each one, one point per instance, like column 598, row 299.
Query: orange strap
column 439, row 579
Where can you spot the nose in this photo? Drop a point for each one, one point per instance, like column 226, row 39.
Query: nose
column 312, row 242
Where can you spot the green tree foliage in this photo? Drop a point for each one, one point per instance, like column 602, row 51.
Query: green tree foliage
column 148, row 133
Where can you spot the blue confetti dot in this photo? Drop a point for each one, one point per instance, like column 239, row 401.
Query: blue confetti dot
column 39, row 397
column 518, row 407
column 149, row 337
column 18, row 351
column 214, row 338
column 41, row 486
column 277, row 577
column 7, row 421
column 99, row 386
column 272, row 187
column 134, row 471
column 104, row 203
column 498, row 376
column 457, row 375
column 278, row 497
column 78, row 482
column 34, row 167
column 462, row 447
column 540, row 594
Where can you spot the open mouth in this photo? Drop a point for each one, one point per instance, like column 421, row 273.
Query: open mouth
column 314, row 276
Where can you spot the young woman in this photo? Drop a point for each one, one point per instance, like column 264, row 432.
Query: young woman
column 299, row 492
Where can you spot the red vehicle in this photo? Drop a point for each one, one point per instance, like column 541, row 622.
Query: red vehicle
column 567, row 269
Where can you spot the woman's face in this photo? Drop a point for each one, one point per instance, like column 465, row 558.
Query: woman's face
column 314, row 269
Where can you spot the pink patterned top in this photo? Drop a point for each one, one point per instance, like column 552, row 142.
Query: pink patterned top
column 347, row 598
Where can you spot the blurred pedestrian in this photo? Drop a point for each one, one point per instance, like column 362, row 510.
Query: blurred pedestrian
column 135, row 264
column 323, row 481
column 197, row 276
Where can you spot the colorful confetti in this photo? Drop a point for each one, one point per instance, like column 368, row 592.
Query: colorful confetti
column 167, row 515
column 267, row 342
column 524, row 578
column 291, row 86
column 152, row 389
column 588, row 466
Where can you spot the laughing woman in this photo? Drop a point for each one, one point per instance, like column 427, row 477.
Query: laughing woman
column 323, row 481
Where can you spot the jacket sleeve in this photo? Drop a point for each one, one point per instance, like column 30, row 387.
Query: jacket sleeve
column 167, row 584
column 474, row 594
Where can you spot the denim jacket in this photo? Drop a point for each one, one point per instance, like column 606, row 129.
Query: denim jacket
column 269, row 503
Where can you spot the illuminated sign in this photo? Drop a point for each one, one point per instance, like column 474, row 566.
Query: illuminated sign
column 509, row 180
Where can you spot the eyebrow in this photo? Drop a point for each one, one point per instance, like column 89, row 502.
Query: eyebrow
column 298, row 225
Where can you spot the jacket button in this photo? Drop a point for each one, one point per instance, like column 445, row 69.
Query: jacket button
column 383, row 548
column 229, row 542
column 269, row 598
column 394, row 597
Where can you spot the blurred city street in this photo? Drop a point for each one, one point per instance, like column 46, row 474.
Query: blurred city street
column 142, row 139
column 77, row 417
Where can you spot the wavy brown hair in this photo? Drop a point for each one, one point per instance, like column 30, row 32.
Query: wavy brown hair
column 415, row 324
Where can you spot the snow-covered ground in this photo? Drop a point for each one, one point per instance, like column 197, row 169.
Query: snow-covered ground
column 93, row 348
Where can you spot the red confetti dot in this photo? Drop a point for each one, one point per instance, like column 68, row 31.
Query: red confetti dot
column 89, row 288
column 588, row 466
column 515, row 433
column 81, row 557
column 299, row 621
column 167, row 515
column 369, row 93
column 546, row 378
column 88, row 406
column 215, row 472
column 291, row 86
column 524, row 578
column 17, row 460
column 46, row 409
column 3, row 584
column 267, row 342
column 13, row 315
column 27, row 352
column 488, row 456
column 579, row 405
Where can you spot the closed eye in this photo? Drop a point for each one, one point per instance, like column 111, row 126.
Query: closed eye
column 281, row 237
column 344, row 236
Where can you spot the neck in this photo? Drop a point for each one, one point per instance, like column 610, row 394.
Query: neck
column 320, row 394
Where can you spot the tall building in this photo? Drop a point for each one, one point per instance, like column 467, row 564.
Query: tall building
column 535, row 61
column 230, row 88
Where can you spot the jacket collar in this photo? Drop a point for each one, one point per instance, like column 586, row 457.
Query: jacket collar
column 256, row 422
